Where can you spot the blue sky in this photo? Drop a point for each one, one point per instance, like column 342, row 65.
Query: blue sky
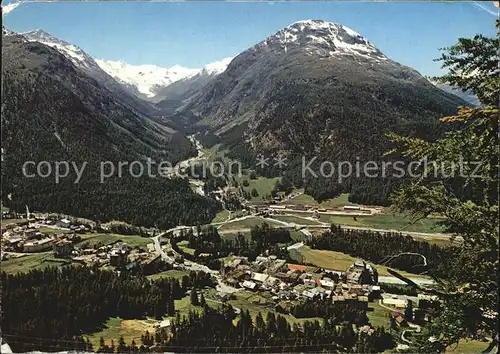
column 193, row 34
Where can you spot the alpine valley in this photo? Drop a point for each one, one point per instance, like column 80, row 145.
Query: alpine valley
column 314, row 88
column 304, row 194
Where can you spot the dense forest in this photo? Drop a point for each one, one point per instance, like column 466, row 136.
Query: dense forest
column 53, row 112
column 332, row 138
column 215, row 330
column 207, row 241
column 393, row 249
column 325, row 308
column 43, row 310
column 362, row 189
column 46, row 310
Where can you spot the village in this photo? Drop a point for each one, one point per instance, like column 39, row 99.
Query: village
column 290, row 284
column 73, row 241
column 279, row 286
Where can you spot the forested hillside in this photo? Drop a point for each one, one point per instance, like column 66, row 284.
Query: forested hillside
column 51, row 111
column 318, row 89
column 393, row 249
column 49, row 310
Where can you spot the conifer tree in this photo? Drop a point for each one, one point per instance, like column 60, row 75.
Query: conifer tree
column 271, row 323
column 409, row 311
column 194, row 297
column 203, row 302
column 468, row 200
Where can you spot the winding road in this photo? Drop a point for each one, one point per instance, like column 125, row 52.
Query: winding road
column 190, row 265
column 414, row 327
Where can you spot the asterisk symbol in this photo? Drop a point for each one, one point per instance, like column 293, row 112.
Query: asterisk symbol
column 280, row 161
column 262, row 161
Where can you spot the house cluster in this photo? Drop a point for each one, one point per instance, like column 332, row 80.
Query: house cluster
column 42, row 234
column 313, row 210
column 62, row 236
column 117, row 254
column 420, row 306
column 361, row 272
column 53, row 220
column 284, row 285
column 289, row 283
column 13, row 215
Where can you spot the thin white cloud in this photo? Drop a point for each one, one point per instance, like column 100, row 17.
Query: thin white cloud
column 484, row 8
column 9, row 7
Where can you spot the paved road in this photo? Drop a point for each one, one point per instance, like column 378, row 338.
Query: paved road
column 322, row 225
column 382, row 279
column 159, row 251
column 305, row 231
column 55, row 227
column 189, row 264
column 295, row 246
column 422, row 235
column 332, row 212
column 414, row 327
column 223, row 287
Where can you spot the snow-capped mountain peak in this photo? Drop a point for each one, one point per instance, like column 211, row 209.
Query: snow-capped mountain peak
column 322, row 37
column 7, row 32
column 41, row 35
column 88, row 65
column 77, row 56
column 147, row 78
column 217, row 67
column 143, row 80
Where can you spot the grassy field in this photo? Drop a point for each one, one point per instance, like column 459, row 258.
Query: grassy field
column 263, row 185
column 221, row 216
column 50, row 230
column 214, row 153
column 305, row 199
column 324, row 259
column 31, row 262
column 6, row 222
column 183, row 306
column 439, row 240
column 378, row 315
column 133, row 329
column 131, row 240
column 297, row 236
column 183, row 245
column 231, row 235
column 4, row 208
column 384, row 221
column 257, row 302
column 248, row 223
column 335, row 260
column 116, row 327
column 176, row 274
column 295, row 219
column 467, row 346
column 393, row 222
